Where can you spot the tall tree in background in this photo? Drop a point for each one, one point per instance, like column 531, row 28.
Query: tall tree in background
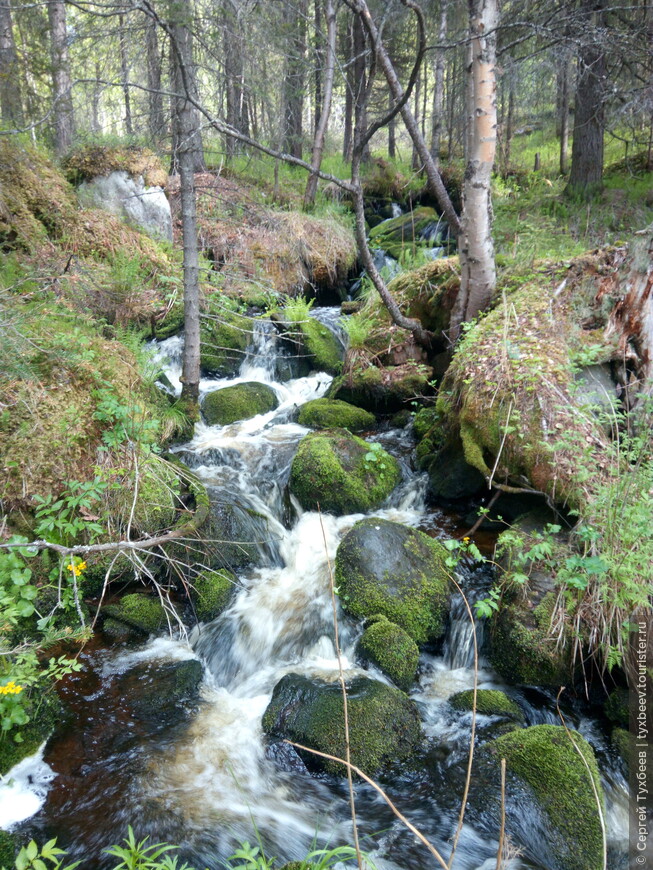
column 586, row 175
column 11, row 105
column 325, row 103
column 439, row 65
column 294, row 79
column 187, row 140
column 156, row 122
column 232, row 41
column 62, row 101
column 124, row 74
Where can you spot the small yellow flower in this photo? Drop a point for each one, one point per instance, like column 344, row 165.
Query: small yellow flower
column 466, row 540
column 11, row 689
column 76, row 567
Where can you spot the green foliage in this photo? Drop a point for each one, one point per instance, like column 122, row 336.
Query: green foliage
column 137, row 855
column 31, row 857
column 248, row 857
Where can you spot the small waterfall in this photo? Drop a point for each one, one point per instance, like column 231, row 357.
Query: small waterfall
column 459, row 642
column 260, row 360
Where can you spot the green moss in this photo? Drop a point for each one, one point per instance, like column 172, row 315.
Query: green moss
column 341, row 473
column 391, row 649
column 9, row 846
column 382, row 389
column 390, row 569
column 428, row 293
column 333, row 414
column 239, row 402
column 143, row 613
column 616, row 707
column 321, row 345
column 384, row 724
column 212, row 592
column 489, row 702
column 622, row 740
column 224, row 338
column 149, row 497
column 44, row 715
column 424, row 421
column 523, row 651
column 543, row 757
column 403, row 232
column 171, row 324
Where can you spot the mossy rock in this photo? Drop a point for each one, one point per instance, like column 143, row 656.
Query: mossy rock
column 224, row 337
column 622, row 742
column 333, row 414
column 142, row 613
column 617, row 709
column 390, row 569
column 392, row 650
column 341, row 474
column 239, row 402
column 405, row 231
column 489, row 702
column 235, row 536
column 384, row 724
column 161, row 693
column 148, row 497
column 171, row 324
column 310, row 340
column 9, row 847
column 428, row 294
column 543, row 758
column 45, row 714
column 211, row 593
column 382, row 389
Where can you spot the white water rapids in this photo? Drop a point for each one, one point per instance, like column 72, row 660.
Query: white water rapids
column 214, row 783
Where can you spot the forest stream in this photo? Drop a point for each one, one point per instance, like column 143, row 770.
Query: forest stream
column 210, row 779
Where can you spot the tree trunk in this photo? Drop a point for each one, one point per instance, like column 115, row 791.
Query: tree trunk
column 185, row 125
column 186, row 136
column 233, row 66
column 95, row 101
column 294, row 78
column 11, row 106
column 475, row 245
column 415, row 161
column 156, row 122
column 62, row 102
column 438, row 88
column 586, row 175
column 359, row 85
column 392, row 132
column 564, row 114
column 348, row 133
column 320, row 64
column 320, row 134
column 507, row 145
column 124, row 72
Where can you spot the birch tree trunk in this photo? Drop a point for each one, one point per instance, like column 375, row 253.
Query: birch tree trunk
column 320, row 133
column 11, row 107
column 475, row 245
column 62, row 103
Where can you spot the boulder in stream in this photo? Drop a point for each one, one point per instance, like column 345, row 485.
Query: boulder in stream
column 391, row 569
column 557, row 783
column 211, row 592
column 391, row 649
column 384, row 724
column 224, row 336
column 239, row 402
column 342, row 474
column 136, row 615
column 489, row 702
column 334, row 414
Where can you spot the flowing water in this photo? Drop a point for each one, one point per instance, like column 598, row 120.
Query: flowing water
column 209, row 781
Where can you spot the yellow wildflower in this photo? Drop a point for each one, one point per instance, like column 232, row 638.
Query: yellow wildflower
column 76, row 567
column 11, row 689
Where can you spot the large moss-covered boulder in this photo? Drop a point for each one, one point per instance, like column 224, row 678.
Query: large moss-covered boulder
column 224, row 337
column 382, row 389
column 391, row 649
column 544, row 761
column 406, row 231
column 390, row 569
column 211, row 592
column 239, row 402
column 342, row 474
column 334, row 414
column 489, row 702
column 139, row 614
column 384, row 724
column 148, row 497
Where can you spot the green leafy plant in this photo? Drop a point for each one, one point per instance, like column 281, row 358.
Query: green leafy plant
column 49, row 857
column 249, row 857
column 138, row 855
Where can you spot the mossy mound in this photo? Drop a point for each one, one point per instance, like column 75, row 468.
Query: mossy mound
column 333, row 414
column 405, row 231
column 38, row 205
column 489, row 702
column 91, row 161
column 144, row 614
column 381, row 389
column 224, row 336
column 211, row 593
column 384, row 724
column 545, row 760
column 617, row 707
column 428, row 294
column 147, row 497
column 9, row 846
column 392, row 650
column 68, row 393
column 390, row 569
column 341, row 474
column 622, row 742
column 381, row 180
column 310, row 340
column 239, row 402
